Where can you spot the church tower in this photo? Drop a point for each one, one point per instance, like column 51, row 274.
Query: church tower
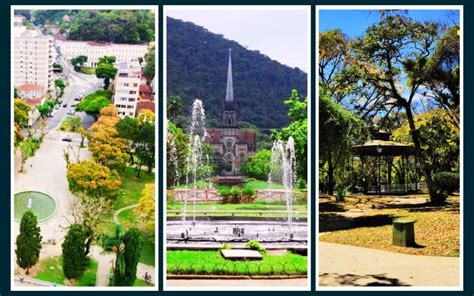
column 229, row 116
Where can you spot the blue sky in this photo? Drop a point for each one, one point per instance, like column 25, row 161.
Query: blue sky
column 354, row 22
column 281, row 34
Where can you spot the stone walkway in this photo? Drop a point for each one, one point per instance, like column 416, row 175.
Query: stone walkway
column 343, row 265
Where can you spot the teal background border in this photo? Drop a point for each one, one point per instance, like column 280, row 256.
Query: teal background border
column 5, row 121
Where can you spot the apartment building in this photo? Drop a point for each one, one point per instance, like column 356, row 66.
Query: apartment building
column 123, row 53
column 126, row 88
column 33, row 59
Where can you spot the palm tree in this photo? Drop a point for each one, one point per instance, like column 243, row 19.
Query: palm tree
column 114, row 243
column 174, row 107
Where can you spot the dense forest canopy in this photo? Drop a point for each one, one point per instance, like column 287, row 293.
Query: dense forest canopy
column 119, row 26
column 197, row 69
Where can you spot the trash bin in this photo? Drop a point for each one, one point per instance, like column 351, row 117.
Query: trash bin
column 404, row 232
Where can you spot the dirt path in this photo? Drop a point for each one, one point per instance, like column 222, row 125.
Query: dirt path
column 343, row 265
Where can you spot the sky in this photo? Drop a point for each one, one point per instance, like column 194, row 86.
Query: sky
column 281, row 34
column 354, row 22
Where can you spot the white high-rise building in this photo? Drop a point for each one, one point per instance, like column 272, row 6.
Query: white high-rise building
column 126, row 88
column 33, row 62
column 123, row 53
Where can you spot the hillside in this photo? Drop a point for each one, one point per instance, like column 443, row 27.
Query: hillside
column 197, row 68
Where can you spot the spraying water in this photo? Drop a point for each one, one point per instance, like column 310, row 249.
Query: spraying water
column 197, row 132
column 282, row 169
column 173, row 156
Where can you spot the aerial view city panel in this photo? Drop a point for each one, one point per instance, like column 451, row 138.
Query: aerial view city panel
column 84, row 148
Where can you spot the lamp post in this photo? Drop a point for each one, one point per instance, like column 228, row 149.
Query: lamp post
column 379, row 152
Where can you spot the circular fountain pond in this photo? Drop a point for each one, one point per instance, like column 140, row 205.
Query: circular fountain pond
column 42, row 205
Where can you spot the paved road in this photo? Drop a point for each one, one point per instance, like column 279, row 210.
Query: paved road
column 77, row 83
column 343, row 265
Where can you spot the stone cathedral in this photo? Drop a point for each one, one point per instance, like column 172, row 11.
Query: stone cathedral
column 232, row 145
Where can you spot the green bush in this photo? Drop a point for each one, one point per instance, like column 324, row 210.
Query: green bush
column 445, row 183
column 341, row 191
column 258, row 166
column 224, row 192
column 254, row 245
column 225, row 246
column 235, row 193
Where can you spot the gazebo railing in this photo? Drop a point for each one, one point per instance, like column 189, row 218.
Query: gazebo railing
column 398, row 188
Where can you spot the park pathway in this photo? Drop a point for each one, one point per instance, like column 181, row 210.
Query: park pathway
column 117, row 212
column 344, row 265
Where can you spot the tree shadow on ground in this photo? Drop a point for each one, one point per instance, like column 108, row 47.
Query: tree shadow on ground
column 356, row 280
column 423, row 207
column 325, row 207
column 333, row 222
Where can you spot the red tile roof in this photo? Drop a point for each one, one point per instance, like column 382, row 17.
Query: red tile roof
column 141, row 105
column 30, row 87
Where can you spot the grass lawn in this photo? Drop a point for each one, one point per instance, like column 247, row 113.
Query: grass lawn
column 436, row 229
column 51, row 270
column 140, row 283
column 254, row 184
column 88, row 70
column 132, row 187
column 130, row 194
column 258, row 206
column 212, row 263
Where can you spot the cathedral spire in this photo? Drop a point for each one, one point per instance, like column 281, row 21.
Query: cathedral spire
column 229, row 95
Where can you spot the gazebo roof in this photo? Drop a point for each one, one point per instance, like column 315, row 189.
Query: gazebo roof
column 389, row 148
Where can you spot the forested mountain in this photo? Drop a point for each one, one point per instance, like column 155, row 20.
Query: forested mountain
column 119, row 26
column 197, row 69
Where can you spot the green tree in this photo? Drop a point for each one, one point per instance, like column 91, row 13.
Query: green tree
column 339, row 130
column 393, row 58
column 45, row 108
column 20, row 112
column 94, row 102
column 149, row 70
column 114, row 243
column 298, row 129
column 258, row 166
column 78, row 62
column 176, row 151
column 28, row 148
column 133, row 244
column 28, row 242
column 105, row 71
column 174, row 107
column 74, row 252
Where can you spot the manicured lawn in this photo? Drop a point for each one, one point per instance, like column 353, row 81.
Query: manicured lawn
column 88, row 70
column 436, row 229
column 148, row 252
column 51, row 270
column 132, row 187
column 211, row 262
column 258, row 207
column 140, row 283
column 254, row 184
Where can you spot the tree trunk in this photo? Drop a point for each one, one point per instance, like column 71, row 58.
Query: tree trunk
column 419, row 154
column 330, row 177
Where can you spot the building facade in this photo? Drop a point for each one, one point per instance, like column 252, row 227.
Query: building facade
column 232, row 145
column 33, row 61
column 126, row 88
column 123, row 53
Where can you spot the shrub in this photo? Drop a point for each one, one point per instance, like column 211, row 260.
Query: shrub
column 445, row 183
column 341, row 191
column 254, row 245
column 235, row 193
column 225, row 246
column 224, row 192
column 248, row 194
column 258, row 166
column 301, row 184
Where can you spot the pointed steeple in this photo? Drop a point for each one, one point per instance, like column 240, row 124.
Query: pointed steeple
column 229, row 95
column 229, row 115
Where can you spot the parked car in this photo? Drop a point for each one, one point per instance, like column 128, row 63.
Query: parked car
column 71, row 112
column 65, row 105
column 67, row 139
column 56, row 107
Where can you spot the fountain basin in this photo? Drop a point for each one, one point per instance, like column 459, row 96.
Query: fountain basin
column 42, row 205
column 268, row 232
